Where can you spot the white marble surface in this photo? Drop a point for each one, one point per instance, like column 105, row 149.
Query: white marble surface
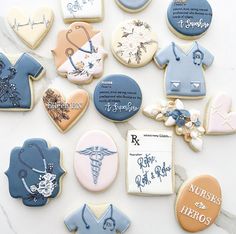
column 148, row 215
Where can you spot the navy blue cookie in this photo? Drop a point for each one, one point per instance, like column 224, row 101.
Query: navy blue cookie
column 35, row 172
column 189, row 18
column 117, row 97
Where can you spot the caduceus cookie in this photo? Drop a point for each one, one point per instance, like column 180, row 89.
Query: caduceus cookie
column 79, row 54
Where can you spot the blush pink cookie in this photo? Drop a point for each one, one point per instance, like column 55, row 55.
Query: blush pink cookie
column 96, row 160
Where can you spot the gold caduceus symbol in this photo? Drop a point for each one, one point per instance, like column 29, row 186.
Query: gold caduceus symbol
column 96, row 155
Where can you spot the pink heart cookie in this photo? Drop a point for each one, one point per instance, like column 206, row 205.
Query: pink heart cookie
column 220, row 119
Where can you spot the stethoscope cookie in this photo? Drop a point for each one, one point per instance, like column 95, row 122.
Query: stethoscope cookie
column 79, row 54
column 198, row 203
column 134, row 43
column 82, row 10
column 96, row 160
column 99, row 219
column 65, row 112
column 16, row 76
column 184, row 70
column 133, row 6
column 117, row 97
column 189, row 19
column 35, row 172
column 31, row 29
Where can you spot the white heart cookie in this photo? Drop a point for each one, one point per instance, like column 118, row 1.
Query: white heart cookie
column 31, row 28
column 220, row 119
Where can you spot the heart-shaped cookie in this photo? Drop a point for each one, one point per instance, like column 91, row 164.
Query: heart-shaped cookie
column 31, row 28
column 65, row 113
column 219, row 119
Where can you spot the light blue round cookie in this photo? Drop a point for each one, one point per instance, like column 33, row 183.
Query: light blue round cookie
column 189, row 18
column 133, row 5
column 117, row 97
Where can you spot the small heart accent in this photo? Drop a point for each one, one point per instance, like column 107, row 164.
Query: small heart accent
column 196, row 85
column 176, row 85
column 65, row 113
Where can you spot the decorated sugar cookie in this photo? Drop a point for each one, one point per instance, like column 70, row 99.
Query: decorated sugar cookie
column 31, row 28
column 96, row 160
column 82, row 10
column 219, row 117
column 35, row 172
column 134, row 43
column 99, row 219
column 198, row 203
column 186, row 122
column 150, row 168
column 184, row 70
column 189, row 19
column 133, row 5
column 117, row 98
column 65, row 112
column 16, row 76
column 79, row 54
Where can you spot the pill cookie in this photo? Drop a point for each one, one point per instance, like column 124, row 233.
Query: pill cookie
column 35, row 172
column 117, row 97
column 186, row 122
column 79, row 54
column 65, row 112
column 150, row 168
column 198, row 203
column 189, row 19
column 82, row 10
column 134, row 43
column 31, row 28
column 184, row 70
column 96, row 160
column 99, row 219
column 133, row 5
column 16, row 75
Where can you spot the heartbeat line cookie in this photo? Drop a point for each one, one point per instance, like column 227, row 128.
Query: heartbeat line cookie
column 133, row 6
column 35, row 172
column 96, row 160
column 134, row 43
column 31, row 28
column 65, row 112
column 16, row 76
column 82, row 10
column 189, row 19
column 79, row 54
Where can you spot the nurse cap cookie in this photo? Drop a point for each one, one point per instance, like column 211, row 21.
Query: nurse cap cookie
column 189, row 19
column 35, row 172
column 198, row 203
column 133, row 6
column 117, row 97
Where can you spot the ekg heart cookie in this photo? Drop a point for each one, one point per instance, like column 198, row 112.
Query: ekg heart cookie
column 65, row 112
column 219, row 119
column 31, row 28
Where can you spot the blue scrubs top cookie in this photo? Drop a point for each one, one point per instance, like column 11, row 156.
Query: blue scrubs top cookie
column 117, row 98
column 189, row 18
column 133, row 5
column 34, row 173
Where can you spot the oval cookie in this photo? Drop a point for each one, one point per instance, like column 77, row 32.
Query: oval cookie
column 134, row 43
column 117, row 98
column 96, row 160
column 198, row 203
column 133, row 5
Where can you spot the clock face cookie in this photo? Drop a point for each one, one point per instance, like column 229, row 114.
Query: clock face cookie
column 35, row 172
column 31, row 28
column 16, row 93
column 96, row 160
column 82, row 10
column 189, row 19
column 150, row 168
column 198, row 203
column 79, row 54
column 117, row 98
column 133, row 5
column 65, row 112
column 134, row 43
